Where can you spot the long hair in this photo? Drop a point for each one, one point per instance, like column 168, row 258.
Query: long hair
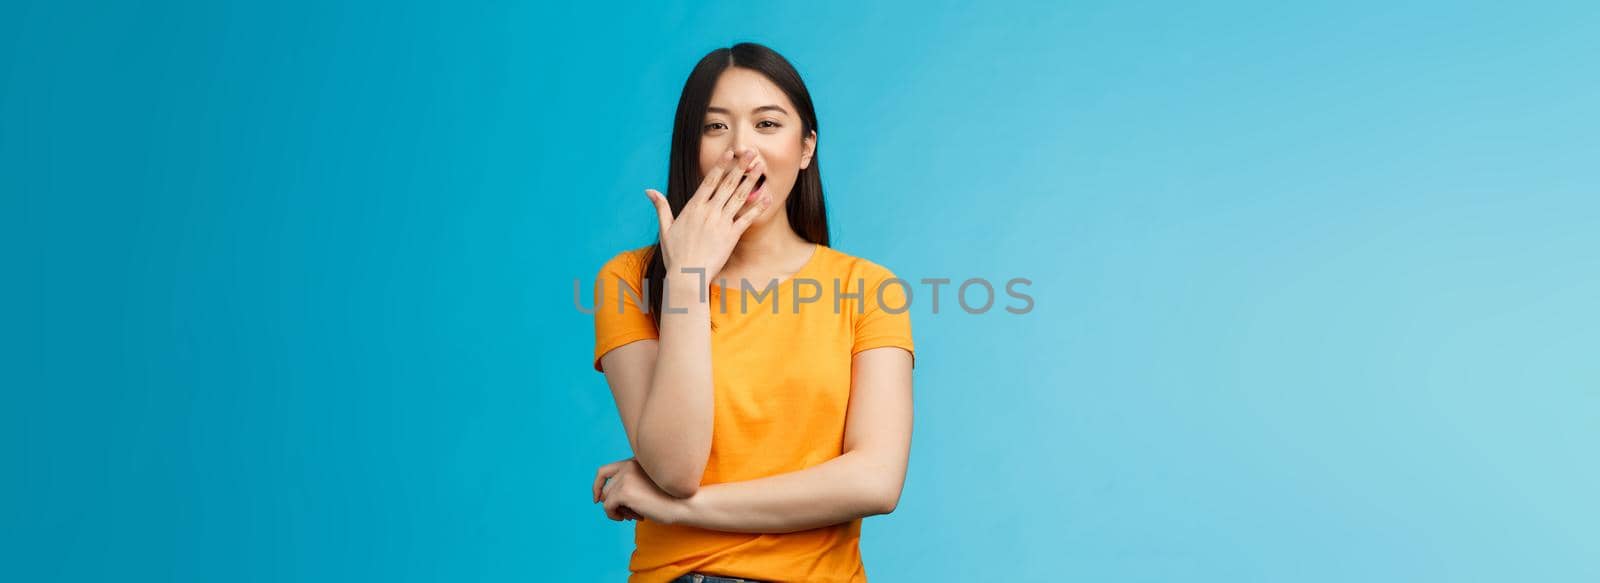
column 806, row 212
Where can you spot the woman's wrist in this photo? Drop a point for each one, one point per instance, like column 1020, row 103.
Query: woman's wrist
column 685, row 290
column 677, row 511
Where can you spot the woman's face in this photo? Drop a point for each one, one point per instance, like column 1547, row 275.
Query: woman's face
column 749, row 111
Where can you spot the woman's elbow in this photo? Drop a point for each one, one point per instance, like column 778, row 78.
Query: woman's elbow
column 681, row 488
column 677, row 482
column 885, row 497
column 889, row 502
column 676, row 476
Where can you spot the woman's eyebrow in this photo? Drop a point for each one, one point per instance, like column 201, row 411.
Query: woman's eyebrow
column 756, row 110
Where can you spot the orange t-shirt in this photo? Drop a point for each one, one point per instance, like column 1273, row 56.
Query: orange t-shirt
column 782, row 387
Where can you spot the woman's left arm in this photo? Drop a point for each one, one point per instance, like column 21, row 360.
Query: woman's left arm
column 865, row 480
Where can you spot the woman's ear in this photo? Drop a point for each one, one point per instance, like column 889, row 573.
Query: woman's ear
column 811, row 150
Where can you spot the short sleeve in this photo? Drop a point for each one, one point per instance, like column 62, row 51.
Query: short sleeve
column 886, row 314
column 619, row 317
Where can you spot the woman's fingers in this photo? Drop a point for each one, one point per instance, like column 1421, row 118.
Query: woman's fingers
column 663, row 211
column 613, row 503
column 605, row 471
column 741, row 195
column 708, row 185
column 733, row 179
column 749, row 213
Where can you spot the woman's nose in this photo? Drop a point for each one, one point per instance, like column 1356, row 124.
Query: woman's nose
column 742, row 141
column 740, row 150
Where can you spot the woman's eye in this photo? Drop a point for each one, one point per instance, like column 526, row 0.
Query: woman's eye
column 763, row 124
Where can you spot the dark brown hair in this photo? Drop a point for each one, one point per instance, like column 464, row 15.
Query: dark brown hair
column 807, row 214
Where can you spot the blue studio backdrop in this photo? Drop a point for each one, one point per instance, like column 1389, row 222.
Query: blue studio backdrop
column 289, row 286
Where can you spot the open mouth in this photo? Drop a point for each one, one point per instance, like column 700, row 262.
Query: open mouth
column 760, row 182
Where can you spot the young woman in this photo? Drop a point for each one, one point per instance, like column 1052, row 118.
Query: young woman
column 763, row 378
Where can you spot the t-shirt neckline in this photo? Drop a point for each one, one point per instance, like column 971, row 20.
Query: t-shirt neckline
column 816, row 252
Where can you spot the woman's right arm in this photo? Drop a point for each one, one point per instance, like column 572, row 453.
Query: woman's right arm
column 664, row 395
column 663, row 387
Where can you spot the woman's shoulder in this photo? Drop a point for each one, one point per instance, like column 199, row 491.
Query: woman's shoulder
column 842, row 263
column 628, row 263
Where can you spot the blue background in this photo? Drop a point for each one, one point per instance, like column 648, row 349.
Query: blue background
column 289, row 288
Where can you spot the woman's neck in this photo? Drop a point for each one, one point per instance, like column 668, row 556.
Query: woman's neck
column 767, row 247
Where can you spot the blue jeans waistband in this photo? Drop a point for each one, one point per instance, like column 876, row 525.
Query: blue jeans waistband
column 704, row 578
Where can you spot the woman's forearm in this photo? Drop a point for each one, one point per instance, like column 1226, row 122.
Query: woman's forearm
column 851, row 486
column 674, row 432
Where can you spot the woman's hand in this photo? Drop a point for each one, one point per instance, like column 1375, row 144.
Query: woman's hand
column 630, row 495
column 709, row 225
